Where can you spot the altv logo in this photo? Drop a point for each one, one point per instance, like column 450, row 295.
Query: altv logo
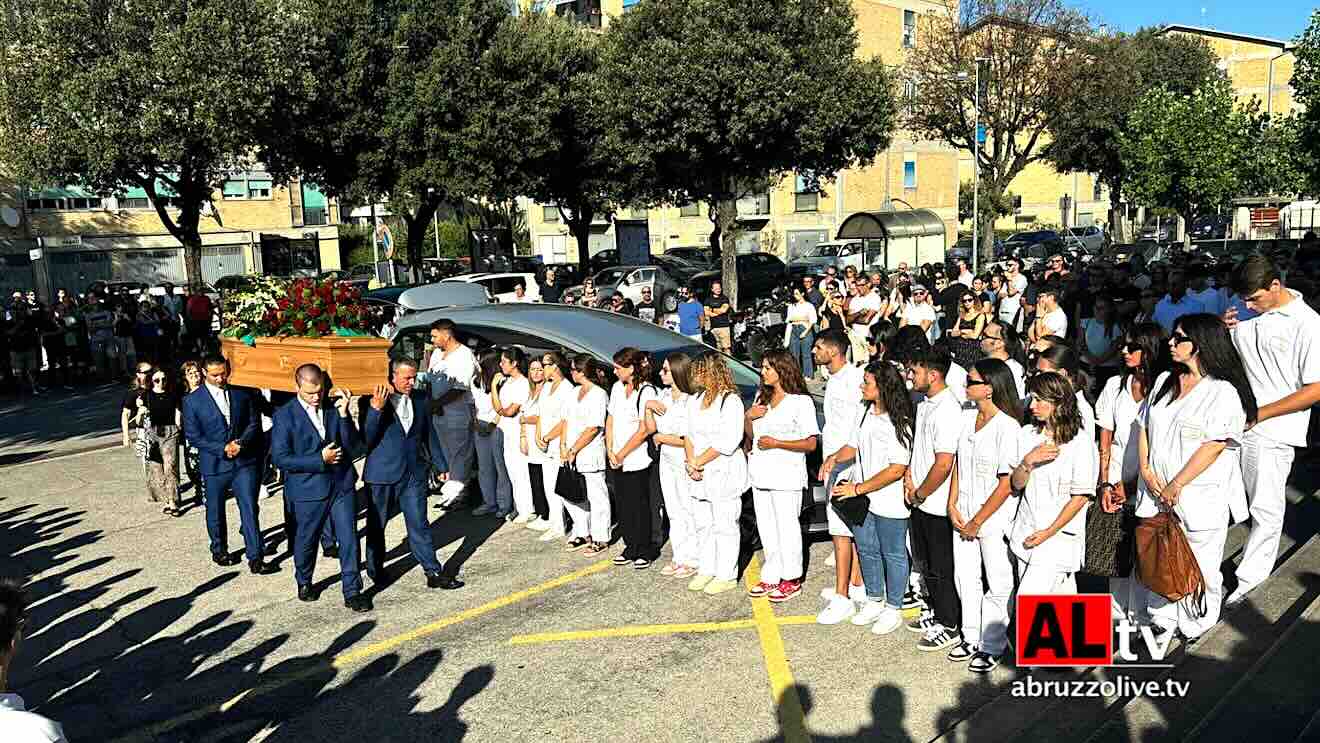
column 1078, row 630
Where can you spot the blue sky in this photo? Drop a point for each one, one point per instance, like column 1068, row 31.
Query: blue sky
column 1277, row 19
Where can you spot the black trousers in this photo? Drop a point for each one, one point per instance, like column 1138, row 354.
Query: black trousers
column 540, row 506
column 932, row 547
column 638, row 507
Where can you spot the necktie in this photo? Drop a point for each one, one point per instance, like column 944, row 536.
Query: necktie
column 224, row 405
column 405, row 413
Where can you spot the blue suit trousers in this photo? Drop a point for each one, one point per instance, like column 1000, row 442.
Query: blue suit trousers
column 244, row 482
column 409, row 497
column 336, row 516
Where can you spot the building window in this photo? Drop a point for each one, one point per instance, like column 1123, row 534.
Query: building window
column 1017, row 203
column 64, row 198
column 234, row 189
column 909, row 29
column 689, row 210
column 909, row 174
column 805, row 196
column 550, row 213
column 258, row 189
column 1098, row 188
column 909, row 95
column 134, row 202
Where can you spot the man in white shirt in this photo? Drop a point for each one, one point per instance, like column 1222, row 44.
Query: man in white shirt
column 843, row 412
column 1013, row 275
column 1176, row 303
column 921, row 312
column 1280, row 350
column 862, row 312
column 926, row 488
column 17, row 725
column 520, row 295
column 1010, row 310
column 1212, row 299
column 451, row 370
column 1050, row 318
column 964, row 273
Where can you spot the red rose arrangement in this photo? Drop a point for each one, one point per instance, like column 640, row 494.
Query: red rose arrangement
column 302, row 307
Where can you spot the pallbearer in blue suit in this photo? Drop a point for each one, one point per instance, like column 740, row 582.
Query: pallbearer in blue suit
column 396, row 426
column 223, row 424
column 310, row 442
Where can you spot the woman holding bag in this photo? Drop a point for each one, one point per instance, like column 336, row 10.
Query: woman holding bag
column 557, row 396
column 717, row 470
column 1190, row 431
column 669, row 416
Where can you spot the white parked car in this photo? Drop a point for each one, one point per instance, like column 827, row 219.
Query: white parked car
column 501, row 285
column 1090, row 239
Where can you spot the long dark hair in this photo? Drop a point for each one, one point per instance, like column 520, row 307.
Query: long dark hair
column 1154, row 345
column 1003, row 386
column 1012, row 341
column 1054, row 388
column 680, row 370
column 1216, row 355
column 790, row 375
column 585, row 365
column 1064, row 359
column 558, row 361
column 639, row 361
column 895, row 399
column 487, row 367
column 515, row 356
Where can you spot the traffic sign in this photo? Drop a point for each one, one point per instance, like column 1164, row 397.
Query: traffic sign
column 980, row 133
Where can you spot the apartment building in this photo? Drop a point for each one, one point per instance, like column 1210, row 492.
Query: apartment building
column 69, row 236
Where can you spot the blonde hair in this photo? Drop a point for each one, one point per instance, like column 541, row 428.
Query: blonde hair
column 712, row 375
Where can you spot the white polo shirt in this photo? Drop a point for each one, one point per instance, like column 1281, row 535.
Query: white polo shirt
column 982, row 457
column 1281, row 352
column 843, row 407
column 1117, row 411
column 554, row 406
column 938, row 426
column 588, row 412
column 20, row 726
column 878, row 447
column 793, row 419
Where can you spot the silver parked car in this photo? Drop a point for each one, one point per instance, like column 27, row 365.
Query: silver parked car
column 630, row 281
column 537, row 328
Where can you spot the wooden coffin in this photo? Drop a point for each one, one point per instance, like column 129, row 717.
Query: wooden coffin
column 358, row 364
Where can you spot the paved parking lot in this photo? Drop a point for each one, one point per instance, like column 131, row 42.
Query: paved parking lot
column 136, row 636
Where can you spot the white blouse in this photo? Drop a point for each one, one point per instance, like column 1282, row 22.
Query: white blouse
column 555, row 406
column 802, row 313
column 485, row 407
column 1117, row 411
column 513, row 392
column 588, row 412
column 794, row 418
column 627, row 412
column 532, row 408
column 1175, row 429
column 1049, row 488
column 878, row 447
column 982, row 457
column 674, row 422
column 719, row 427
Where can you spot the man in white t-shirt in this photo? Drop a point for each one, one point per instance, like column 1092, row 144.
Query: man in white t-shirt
column 1050, row 318
column 1013, row 275
column 451, row 371
column 17, row 725
column 1009, row 311
column 1280, row 350
column 863, row 310
column 921, row 312
column 926, row 487
column 964, row 273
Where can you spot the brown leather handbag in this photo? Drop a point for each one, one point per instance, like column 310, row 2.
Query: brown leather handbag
column 1165, row 563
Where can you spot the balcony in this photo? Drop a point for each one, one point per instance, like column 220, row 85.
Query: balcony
column 754, row 208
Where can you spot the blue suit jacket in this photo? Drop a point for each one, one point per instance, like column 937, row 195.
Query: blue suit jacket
column 393, row 454
column 296, row 446
column 205, row 428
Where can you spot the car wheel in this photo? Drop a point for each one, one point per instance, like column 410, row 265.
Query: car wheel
column 670, row 303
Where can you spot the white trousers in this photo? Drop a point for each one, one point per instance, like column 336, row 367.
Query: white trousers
column 595, row 524
column 1208, row 547
column 519, row 477
column 679, row 504
column 984, row 608
column 1265, row 467
column 1129, row 599
column 554, row 503
column 717, row 537
column 460, row 452
column 1044, row 577
column 777, row 513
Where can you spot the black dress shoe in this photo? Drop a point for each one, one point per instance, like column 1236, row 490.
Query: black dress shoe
column 258, row 567
column 330, row 551
column 307, row 593
column 442, row 581
column 358, row 603
column 224, row 559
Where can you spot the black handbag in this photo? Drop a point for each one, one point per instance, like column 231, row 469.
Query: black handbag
column 1109, row 541
column 853, row 510
column 570, row 484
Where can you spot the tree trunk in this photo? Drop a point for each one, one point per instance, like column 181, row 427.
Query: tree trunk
column 986, row 236
column 581, row 230
column 1117, row 225
column 723, row 243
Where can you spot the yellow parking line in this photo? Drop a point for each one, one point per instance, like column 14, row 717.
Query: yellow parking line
column 792, row 720
column 632, row 631
column 347, row 659
column 797, row 619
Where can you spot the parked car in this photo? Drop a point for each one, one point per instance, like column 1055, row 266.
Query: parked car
column 700, row 256
column 680, row 269
column 630, row 281
column 545, row 327
column 602, row 260
column 1159, row 229
column 359, row 275
column 1211, row 227
column 840, row 254
column 115, row 288
column 1090, row 239
column 501, row 285
column 1033, row 247
column 758, row 275
column 963, row 249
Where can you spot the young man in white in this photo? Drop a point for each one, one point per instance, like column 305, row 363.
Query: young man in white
column 450, row 372
column 921, row 312
column 926, row 488
column 862, row 312
column 17, row 725
column 1050, row 318
column 1009, row 311
column 1280, row 350
column 1176, row 303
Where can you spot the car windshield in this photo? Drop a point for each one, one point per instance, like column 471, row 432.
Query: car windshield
column 609, row 276
column 1030, row 237
column 823, row 251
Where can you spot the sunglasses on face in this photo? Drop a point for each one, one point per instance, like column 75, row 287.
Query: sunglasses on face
column 1179, row 339
column 975, row 383
column 968, row 301
column 1131, row 348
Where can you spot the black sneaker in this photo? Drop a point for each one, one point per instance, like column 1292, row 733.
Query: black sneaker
column 962, row 652
column 938, row 638
column 983, row 663
column 923, row 623
column 913, row 600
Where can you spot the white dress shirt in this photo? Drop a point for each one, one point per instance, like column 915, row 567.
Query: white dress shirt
column 221, row 397
column 21, row 726
column 316, row 415
column 404, row 410
column 1280, row 350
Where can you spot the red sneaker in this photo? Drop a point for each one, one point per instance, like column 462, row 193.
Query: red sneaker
column 760, row 589
column 785, row 590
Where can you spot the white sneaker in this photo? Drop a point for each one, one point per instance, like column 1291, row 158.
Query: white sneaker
column 836, row 611
column 889, row 621
column 829, row 560
column 1237, row 596
column 550, row 535
column 827, row 593
column 524, row 518
column 869, row 613
column 857, row 593
column 538, row 524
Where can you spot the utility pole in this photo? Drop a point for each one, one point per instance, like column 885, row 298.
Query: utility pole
column 976, row 170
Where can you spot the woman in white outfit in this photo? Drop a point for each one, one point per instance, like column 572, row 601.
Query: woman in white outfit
column 1055, row 467
column 783, row 429
column 529, row 447
column 583, row 445
column 1144, row 351
column 496, row 492
column 1061, row 359
column 556, row 404
column 669, row 417
column 980, row 514
column 717, row 470
column 1191, row 431
column 1000, row 341
column 629, row 458
column 509, row 394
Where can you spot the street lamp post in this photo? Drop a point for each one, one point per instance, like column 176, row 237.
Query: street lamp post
column 976, row 168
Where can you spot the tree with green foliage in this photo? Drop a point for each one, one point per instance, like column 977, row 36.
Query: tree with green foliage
column 713, row 100
column 1185, row 151
column 164, row 96
column 1306, row 92
column 991, row 205
column 1122, row 69
column 1274, row 161
column 418, row 109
